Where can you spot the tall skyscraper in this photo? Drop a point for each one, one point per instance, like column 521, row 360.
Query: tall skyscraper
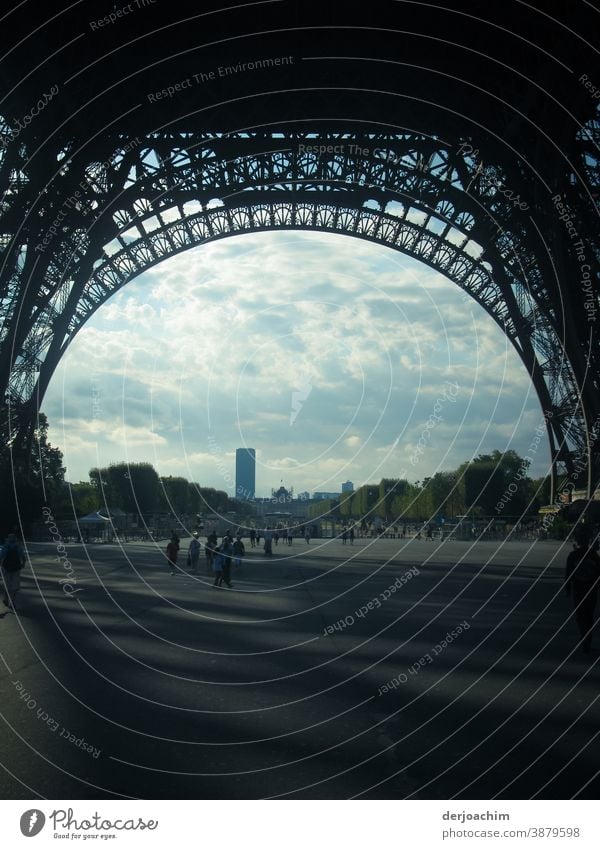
column 245, row 473
column 348, row 487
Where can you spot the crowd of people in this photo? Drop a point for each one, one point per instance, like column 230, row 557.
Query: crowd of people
column 581, row 581
column 582, row 575
column 221, row 556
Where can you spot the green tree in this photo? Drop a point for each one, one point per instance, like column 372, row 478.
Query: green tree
column 322, row 508
column 446, row 497
column 175, row 494
column 104, row 486
column 345, row 504
column 195, row 502
column 77, row 499
column 141, row 495
column 365, row 501
column 212, row 500
column 489, row 477
column 31, row 471
column 539, row 493
column 389, row 488
column 133, row 487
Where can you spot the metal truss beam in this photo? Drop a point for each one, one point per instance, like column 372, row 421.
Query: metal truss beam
column 98, row 222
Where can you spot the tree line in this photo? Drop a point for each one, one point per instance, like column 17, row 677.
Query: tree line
column 32, row 476
column 138, row 489
column 476, row 488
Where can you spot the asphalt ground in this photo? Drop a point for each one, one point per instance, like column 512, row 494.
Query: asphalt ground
column 389, row 669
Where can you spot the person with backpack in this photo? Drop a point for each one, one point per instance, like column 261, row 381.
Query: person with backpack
column 582, row 581
column 12, row 560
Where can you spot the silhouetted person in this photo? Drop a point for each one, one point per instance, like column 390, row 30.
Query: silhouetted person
column 351, row 535
column 238, row 551
column 210, row 550
column 252, row 537
column 582, row 579
column 12, row 559
column 227, row 551
column 344, row 536
column 217, row 566
column 172, row 552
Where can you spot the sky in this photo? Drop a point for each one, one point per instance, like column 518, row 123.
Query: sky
column 336, row 359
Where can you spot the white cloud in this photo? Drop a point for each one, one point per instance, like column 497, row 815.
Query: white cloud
column 316, row 349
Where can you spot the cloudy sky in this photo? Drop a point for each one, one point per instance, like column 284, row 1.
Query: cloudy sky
column 326, row 354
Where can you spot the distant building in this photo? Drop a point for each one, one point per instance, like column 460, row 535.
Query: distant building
column 282, row 495
column 304, row 496
column 321, row 496
column 245, row 473
column 348, row 487
column 281, row 509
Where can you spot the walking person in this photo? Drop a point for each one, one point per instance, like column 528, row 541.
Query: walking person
column 194, row 552
column 252, row 537
column 582, row 581
column 172, row 552
column 290, row 535
column 268, row 542
column 12, row 560
column 217, row 566
column 238, row 552
column 307, row 535
column 226, row 552
column 351, row 534
column 344, row 535
column 210, row 550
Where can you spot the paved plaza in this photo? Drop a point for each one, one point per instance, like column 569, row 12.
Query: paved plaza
column 388, row 669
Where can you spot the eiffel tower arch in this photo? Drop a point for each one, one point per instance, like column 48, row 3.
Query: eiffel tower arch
column 501, row 199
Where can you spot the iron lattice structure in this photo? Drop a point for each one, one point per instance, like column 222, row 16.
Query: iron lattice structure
column 86, row 209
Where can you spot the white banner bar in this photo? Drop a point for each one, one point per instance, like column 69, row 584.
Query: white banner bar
column 221, row 824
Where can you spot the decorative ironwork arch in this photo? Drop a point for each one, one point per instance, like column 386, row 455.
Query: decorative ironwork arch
column 104, row 222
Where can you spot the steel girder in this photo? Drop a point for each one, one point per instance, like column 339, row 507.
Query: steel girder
column 75, row 230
